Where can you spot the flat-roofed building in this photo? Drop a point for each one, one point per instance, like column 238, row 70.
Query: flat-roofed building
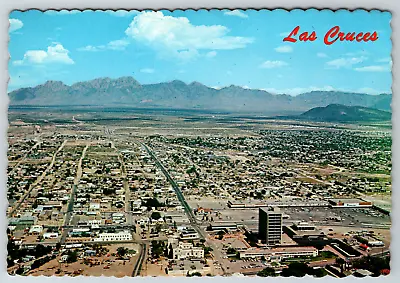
column 114, row 237
column 270, row 226
column 349, row 203
column 187, row 251
column 278, row 254
column 303, row 226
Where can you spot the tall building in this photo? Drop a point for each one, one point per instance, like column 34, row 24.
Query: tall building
column 270, row 226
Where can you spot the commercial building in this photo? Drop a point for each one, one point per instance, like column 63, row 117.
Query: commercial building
column 250, row 205
column 188, row 233
column 270, row 226
column 277, row 254
column 50, row 235
column 187, row 251
column 114, row 237
column 36, row 229
column 304, row 233
column 303, row 226
column 349, row 203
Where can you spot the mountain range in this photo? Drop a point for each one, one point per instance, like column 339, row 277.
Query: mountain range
column 126, row 91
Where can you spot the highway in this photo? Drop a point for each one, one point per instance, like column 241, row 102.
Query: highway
column 70, row 208
column 178, row 192
column 193, row 221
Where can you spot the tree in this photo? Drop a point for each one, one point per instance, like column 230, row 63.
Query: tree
column 207, row 250
column 297, row 269
column 121, row 251
column 152, row 202
column 72, row 257
column 267, row 272
column 155, row 215
column 41, row 250
column 318, row 272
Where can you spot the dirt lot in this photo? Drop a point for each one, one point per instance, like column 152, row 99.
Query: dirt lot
column 109, row 265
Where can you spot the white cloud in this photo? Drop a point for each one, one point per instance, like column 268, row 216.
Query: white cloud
column 122, row 13
column 385, row 60
column 322, row 55
column 178, row 37
column 300, row 90
column 369, row 90
column 62, row 12
column 284, row 34
column 374, row 68
column 18, row 62
column 15, row 24
column 357, row 53
column 345, row 62
column 284, row 49
column 236, row 13
column 147, row 70
column 185, row 54
column 21, row 80
column 91, row 48
column 55, row 53
column 211, row 54
column 119, row 44
column 273, row 64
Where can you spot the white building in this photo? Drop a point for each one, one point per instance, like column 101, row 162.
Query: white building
column 280, row 253
column 94, row 206
column 187, row 251
column 114, row 237
column 50, row 235
column 36, row 229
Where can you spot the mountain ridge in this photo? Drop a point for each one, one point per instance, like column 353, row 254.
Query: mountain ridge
column 106, row 91
column 343, row 113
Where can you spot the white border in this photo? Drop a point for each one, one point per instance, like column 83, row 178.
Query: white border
column 392, row 6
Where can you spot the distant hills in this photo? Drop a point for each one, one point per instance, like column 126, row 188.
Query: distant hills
column 343, row 113
column 126, row 91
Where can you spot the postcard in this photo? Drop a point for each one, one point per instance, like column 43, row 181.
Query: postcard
column 199, row 143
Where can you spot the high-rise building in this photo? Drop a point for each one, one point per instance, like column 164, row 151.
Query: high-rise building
column 270, row 226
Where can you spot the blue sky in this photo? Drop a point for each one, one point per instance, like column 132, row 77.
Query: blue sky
column 216, row 48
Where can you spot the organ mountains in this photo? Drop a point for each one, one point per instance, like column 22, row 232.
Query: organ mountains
column 126, row 91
